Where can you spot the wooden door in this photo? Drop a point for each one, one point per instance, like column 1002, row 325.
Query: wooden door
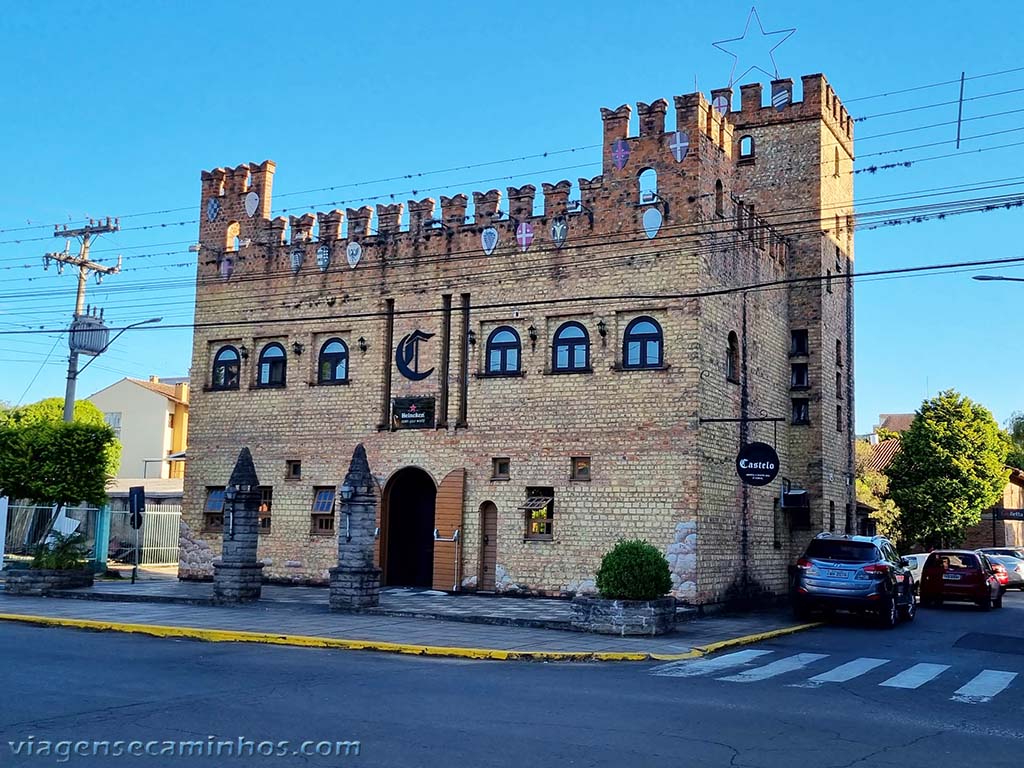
column 488, row 546
column 447, row 520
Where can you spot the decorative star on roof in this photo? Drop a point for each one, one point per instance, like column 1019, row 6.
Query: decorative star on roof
column 765, row 37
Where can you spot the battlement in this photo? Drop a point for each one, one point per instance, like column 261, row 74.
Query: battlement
column 687, row 172
column 819, row 103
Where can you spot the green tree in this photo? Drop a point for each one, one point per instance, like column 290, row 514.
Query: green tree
column 951, row 468
column 55, row 462
column 1015, row 428
column 873, row 489
column 52, row 409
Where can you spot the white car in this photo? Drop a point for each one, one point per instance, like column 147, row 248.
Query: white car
column 916, row 564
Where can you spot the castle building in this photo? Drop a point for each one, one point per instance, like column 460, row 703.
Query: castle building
column 539, row 379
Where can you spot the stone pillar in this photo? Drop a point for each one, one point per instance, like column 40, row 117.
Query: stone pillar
column 355, row 583
column 238, row 577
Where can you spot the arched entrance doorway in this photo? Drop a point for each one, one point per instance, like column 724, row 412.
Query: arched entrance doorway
column 408, row 535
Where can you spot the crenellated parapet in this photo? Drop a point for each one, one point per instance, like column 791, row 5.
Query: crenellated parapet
column 819, row 102
column 421, row 212
column 665, row 181
column 520, row 201
column 485, row 206
column 556, row 198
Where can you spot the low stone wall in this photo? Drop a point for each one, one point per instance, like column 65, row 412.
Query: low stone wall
column 39, row 581
column 624, row 617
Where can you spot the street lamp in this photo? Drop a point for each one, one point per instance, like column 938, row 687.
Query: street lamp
column 74, row 371
column 994, row 278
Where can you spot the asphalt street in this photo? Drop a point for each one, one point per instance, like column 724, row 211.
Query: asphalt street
column 945, row 690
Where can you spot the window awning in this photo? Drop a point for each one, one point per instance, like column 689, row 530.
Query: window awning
column 535, row 503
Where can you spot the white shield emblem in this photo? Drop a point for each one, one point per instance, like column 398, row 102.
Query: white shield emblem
column 524, row 235
column 679, row 145
column 780, row 97
column 489, row 240
column 559, row 231
column 323, row 257
column 252, row 202
column 652, row 222
column 298, row 254
column 721, row 103
column 227, row 266
column 212, row 209
column 353, row 254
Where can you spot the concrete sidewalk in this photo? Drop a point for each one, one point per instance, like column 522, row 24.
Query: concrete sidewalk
column 312, row 624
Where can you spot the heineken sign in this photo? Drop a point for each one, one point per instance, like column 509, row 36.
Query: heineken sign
column 757, row 464
column 412, row 413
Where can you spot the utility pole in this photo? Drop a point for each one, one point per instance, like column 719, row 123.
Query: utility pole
column 85, row 267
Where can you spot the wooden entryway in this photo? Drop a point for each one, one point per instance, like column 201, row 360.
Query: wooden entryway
column 488, row 546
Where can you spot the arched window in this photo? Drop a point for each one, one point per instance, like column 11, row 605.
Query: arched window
column 648, row 185
column 272, row 366
column 642, row 344
column 225, row 368
column 719, row 198
column 571, row 348
column 732, row 361
column 231, row 236
column 747, row 146
column 332, row 365
column 503, row 351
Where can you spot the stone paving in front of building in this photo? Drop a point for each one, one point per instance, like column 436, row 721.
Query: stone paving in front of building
column 304, row 611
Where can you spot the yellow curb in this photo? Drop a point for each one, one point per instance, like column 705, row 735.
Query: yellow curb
column 308, row 641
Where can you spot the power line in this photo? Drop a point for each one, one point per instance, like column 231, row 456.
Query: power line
column 546, row 154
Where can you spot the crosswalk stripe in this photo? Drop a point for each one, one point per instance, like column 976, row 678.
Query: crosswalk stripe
column 844, row 672
column 788, row 664
column 696, row 667
column 915, row 676
column 984, row 686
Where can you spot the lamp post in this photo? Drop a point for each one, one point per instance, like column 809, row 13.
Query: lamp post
column 96, row 325
column 997, row 278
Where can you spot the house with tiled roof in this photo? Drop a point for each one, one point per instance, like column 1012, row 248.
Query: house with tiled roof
column 150, row 417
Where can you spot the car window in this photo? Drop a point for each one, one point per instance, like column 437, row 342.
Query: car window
column 846, row 551
column 952, row 561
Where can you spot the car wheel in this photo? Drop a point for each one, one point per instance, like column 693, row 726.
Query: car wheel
column 889, row 616
column 986, row 604
column 801, row 612
column 909, row 611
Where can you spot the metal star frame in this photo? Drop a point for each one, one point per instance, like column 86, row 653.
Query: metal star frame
column 735, row 59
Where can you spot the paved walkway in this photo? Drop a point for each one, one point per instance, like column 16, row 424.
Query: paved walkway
column 485, row 623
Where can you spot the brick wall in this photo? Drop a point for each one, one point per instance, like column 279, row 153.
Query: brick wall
column 657, row 472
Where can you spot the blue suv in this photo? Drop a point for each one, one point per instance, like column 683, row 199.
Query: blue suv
column 854, row 573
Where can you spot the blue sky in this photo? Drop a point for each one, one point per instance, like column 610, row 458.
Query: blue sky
column 115, row 108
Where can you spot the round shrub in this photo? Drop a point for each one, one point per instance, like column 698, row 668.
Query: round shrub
column 633, row 570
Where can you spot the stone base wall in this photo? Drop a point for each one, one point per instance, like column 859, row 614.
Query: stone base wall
column 237, row 583
column 354, row 588
column 40, row 581
column 624, row 617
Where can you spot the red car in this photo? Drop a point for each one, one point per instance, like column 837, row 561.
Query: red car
column 961, row 575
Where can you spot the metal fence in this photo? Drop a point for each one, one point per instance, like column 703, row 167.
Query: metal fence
column 158, row 537
column 27, row 524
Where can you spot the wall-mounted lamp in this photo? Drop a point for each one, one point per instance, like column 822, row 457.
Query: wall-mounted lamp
column 602, row 329
column 230, row 495
column 577, row 206
column 297, row 347
column 347, row 492
column 243, row 351
column 362, row 344
column 472, row 337
column 532, row 330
